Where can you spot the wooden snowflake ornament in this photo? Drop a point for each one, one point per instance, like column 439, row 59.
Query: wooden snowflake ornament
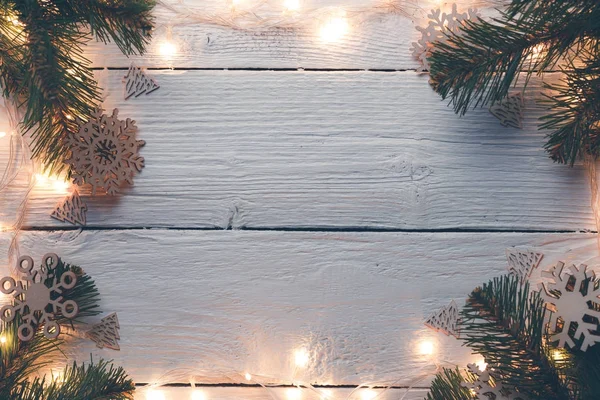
column 486, row 387
column 72, row 210
column 572, row 298
column 440, row 24
column 509, row 111
column 445, row 320
column 522, row 263
column 137, row 83
column 106, row 332
column 104, row 152
column 35, row 301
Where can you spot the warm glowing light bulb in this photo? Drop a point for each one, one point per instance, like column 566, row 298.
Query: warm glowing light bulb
column 294, row 394
column 367, row 394
column 248, row 376
column 558, row 355
column 291, row 5
column 155, row 395
column 426, row 348
column 301, row 358
column 198, row 395
column 481, row 364
column 2, row 134
column 334, row 29
column 2, row 339
column 167, row 49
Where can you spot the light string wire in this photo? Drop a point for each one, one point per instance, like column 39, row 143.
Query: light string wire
column 270, row 384
column 590, row 164
column 248, row 18
column 19, row 159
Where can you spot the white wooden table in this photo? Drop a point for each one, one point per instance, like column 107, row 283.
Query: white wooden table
column 298, row 195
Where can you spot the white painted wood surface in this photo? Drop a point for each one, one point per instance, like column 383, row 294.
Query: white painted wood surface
column 247, row 149
column 217, row 304
column 302, row 150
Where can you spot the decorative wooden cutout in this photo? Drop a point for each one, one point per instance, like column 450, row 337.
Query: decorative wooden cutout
column 573, row 299
column 509, row 111
column 439, row 25
column 445, row 320
column 137, row 83
column 104, row 152
column 31, row 297
column 73, row 210
column 106, row 332
column 522, row 263
column 485, row 389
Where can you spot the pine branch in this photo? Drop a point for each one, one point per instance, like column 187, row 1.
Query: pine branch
column 20, row 359
column 100, row 381
column 575, row 113
column 478, row 66
column 504, row 322
column 447, row 385
column 48, row 73
column 85, row 292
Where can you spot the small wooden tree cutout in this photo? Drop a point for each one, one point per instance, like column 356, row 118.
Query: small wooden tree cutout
column 522, row 263
column 445, row 320
column 106, row 332
column 137, row 83
column 509, row 111
column 72, row 209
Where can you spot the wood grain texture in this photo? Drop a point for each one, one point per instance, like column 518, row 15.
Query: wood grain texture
column 216, row 304
column 376, row 39
column 242, row 149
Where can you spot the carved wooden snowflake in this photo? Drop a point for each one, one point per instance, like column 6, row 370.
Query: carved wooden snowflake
column 573, row 301
column 522, row 263
column 32, row 298
column 440, row 25
column 137, row 83
column 445, row 320
column 509, row 111
column 106, row 332
column 104, row 152
column 73, row 210
column 486, row 386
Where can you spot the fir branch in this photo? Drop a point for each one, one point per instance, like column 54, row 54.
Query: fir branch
column 85, row 292
column 20, row 359
column 478, row 66
column 45, row 68
column 100, row 381
column 447, row 385
column 504, row 322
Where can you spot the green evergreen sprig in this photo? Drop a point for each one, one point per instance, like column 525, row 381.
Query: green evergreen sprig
column 505, row 322
column 478, row 66
column 43, row 68
column 20, row 359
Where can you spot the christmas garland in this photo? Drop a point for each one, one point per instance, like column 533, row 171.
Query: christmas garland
column 537, row 343
column 46, row 301
column 478, row 63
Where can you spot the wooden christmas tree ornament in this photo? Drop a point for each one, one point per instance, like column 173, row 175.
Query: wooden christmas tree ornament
column 72, row 210
column 106, row 332
column 137, row 83
column 509, row 111
column 522, row 263
column 445, row 320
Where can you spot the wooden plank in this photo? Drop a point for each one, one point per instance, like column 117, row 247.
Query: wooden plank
column 376, row 38
column 235, row 393
column 244, row 149
column 214, row 305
